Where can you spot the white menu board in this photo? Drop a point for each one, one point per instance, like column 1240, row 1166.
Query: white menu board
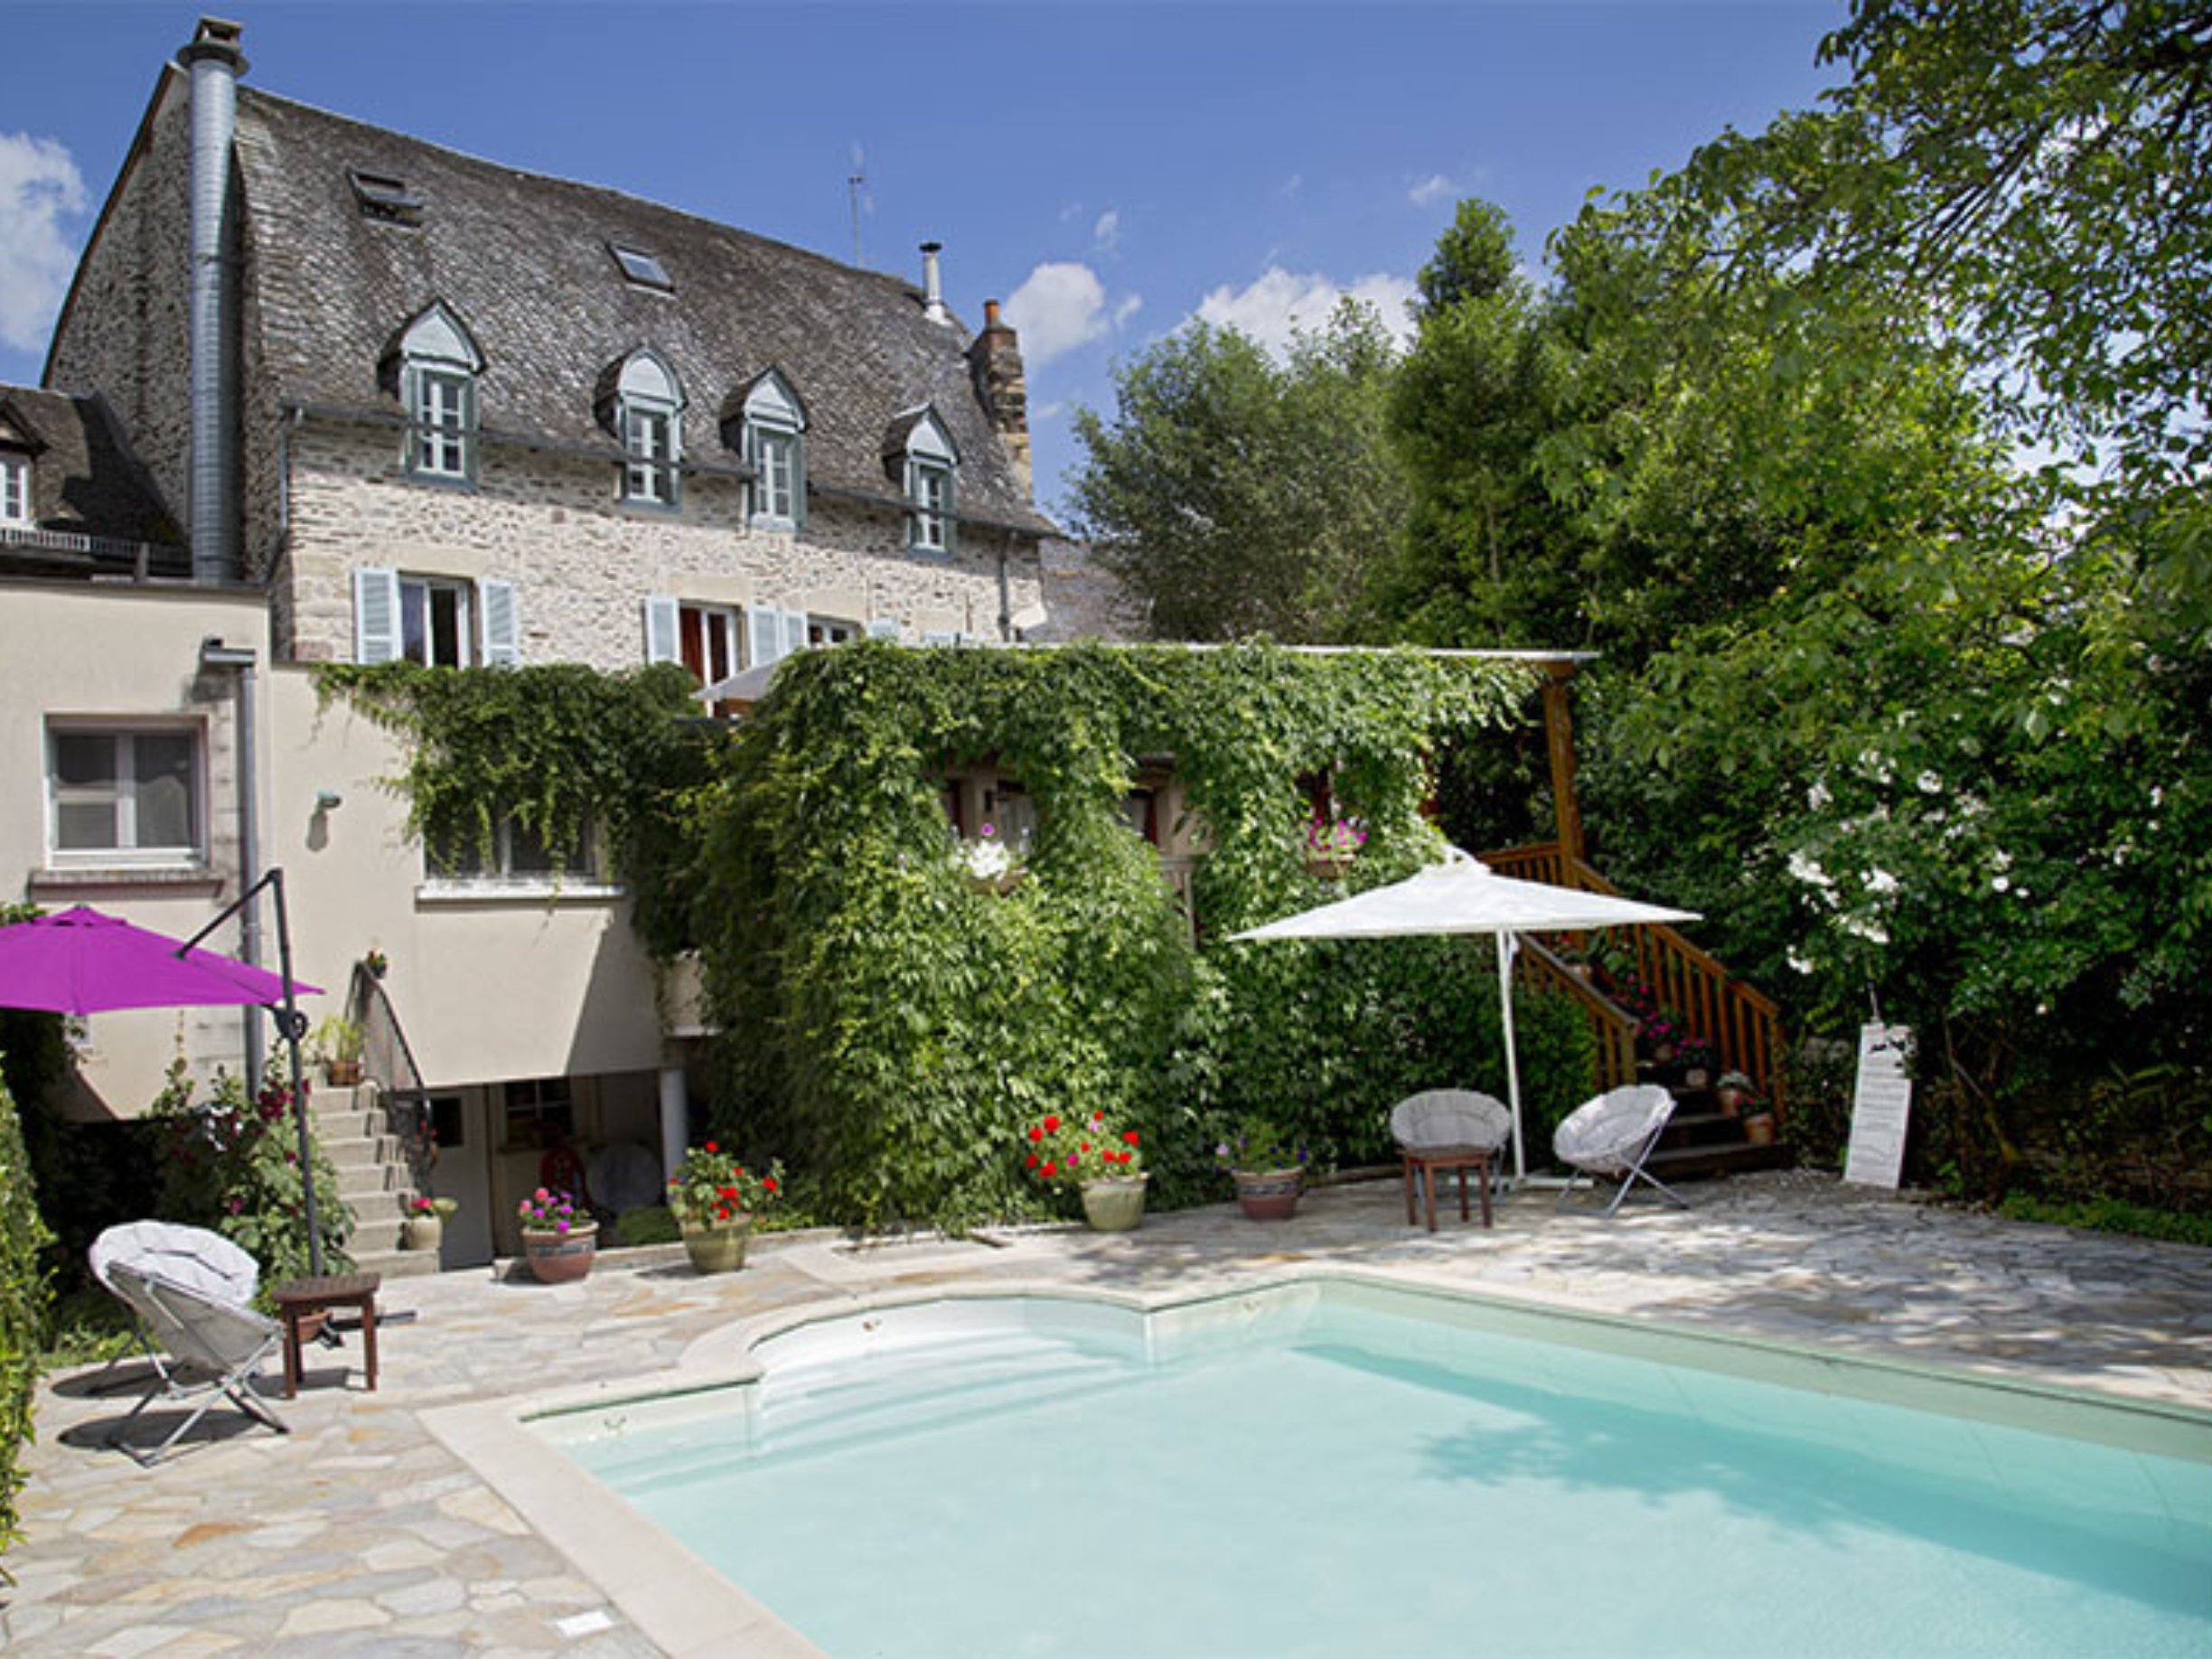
column 1881, row 1105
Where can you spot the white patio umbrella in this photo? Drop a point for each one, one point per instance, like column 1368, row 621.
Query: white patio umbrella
column 1465, row 896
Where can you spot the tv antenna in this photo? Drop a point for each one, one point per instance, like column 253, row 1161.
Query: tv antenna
column 856, row 185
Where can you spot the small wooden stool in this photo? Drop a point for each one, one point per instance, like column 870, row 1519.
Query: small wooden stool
column 299, row 1300
column 1427, row 1160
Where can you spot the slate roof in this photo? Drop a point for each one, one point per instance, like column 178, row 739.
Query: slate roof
column 85, row 478
column 524, row 261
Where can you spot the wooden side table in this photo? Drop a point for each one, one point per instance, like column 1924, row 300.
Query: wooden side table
column 299, row 1300
column 1427, row 1160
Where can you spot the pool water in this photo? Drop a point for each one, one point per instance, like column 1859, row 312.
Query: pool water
column 1333, row 1476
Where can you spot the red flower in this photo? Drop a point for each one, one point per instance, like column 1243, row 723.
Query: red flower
column 722, row 1212
column 1036, row 1133
column 768, row 1184
column 1033, row 1161
column 729, row 1192
column 1052, row 1123
column 1130, row 1135
column 712, row 1147
column 1048, row 1171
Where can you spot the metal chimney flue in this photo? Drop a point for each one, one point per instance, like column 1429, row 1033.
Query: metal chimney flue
column 214, row 63
column 932, row 285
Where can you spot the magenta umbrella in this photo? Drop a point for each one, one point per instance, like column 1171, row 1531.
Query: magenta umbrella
column 83, row 962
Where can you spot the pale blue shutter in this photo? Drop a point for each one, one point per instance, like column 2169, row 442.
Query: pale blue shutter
column 884, row 628
column 502, row 626
column 764, row 635
column 664, row 629
column 798, row 484
column 376, row 615
column 794, row 631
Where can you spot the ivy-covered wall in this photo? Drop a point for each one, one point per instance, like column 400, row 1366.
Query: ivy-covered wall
column 889, row 1026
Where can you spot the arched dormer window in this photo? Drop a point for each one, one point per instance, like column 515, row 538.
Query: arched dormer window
column 921, row 453
column 772, row 440
column 438, row 364
column 646, row 413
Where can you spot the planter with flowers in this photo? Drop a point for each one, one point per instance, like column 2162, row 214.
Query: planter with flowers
column 714, row 1198
column 423, row 1225
column 988, row 863
column 1268, row 1168
column 1104, row 1164
column 1331, row 844
column 559, row 1236
column 1694, row 1054
column 1734, row 1094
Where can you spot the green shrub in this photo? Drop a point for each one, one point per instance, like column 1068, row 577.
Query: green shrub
column 232, row 1164
column 653, row 1224
column 2112, row 1215
column 23, row 1301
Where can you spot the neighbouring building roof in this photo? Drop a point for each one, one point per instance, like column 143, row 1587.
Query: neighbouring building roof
column 528, row 264
column 92, row 503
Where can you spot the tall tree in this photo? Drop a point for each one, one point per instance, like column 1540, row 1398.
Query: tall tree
column 1234, row 494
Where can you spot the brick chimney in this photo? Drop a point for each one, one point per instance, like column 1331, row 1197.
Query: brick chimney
column 994, row 360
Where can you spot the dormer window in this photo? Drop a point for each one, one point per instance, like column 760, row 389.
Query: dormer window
column 640, row 268
column 384, row 197
column 926, row 462
column 774, row 445
column 15, row 488
column 439, row 366
column 648, row 418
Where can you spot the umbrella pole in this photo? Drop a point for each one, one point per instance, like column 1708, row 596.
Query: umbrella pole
column 1513, row 1063
column 294, row 1025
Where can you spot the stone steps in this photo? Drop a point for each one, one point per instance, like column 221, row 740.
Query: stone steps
column 372, row 1177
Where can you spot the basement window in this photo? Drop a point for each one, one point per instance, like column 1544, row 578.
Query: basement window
column 385, row 197
column 641, row 268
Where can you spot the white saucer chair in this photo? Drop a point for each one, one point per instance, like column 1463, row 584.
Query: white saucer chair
column 1612, row 1136
column 207, row 1350
column 192, row 1257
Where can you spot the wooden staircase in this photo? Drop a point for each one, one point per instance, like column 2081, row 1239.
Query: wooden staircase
column 1742, row 1025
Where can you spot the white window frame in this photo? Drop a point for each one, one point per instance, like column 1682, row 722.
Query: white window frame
column 123, row 799
column 583, row 867
column 931, row 465
column 824, row 633
column 15, row 488
column 649, row 419
column 669, row 623
column 486, row 630
column 440, row 364
column 776, row 426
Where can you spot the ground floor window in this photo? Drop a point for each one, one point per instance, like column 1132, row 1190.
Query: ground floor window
column 131, row 795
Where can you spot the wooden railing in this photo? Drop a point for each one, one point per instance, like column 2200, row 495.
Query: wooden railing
column 1742, row 1024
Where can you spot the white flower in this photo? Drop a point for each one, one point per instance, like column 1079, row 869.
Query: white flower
column 1864, row 927
column 2004, row 884
column 1818, row 796
column 2000, row 859
column 1930, row 784
column 987, row 858
column 2158, row 795
column 1880, row 881
column 1802, row 964
column 1807, row 870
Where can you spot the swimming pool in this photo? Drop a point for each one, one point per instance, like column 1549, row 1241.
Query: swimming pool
column 1340, row 1467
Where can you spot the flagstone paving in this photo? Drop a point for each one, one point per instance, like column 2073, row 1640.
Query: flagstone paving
column 361, row 1532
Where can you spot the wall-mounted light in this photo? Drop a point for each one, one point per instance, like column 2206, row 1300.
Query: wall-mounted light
column 327, row 800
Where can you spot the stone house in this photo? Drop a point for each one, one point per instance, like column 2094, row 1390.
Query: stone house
column 324, row 393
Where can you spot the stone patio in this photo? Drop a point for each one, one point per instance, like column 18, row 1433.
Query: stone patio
column 361, row 1532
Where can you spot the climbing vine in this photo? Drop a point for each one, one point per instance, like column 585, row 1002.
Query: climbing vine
column 888, row 1021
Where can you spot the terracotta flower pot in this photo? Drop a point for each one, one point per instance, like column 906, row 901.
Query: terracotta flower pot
column 343, row 1073
column 1114, row 1206
column 1268, row 1194
column 717, row 1247
column 560, row 1258
column 1759, row 1129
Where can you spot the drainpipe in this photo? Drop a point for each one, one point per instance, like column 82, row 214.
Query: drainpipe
column 214, row 62
column 240, row 661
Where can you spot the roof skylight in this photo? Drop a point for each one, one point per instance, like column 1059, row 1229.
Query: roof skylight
column 641, row 268
column 385, row 196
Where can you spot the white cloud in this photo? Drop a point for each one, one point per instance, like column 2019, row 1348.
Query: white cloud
column 1107, row 232
column 1434, row 188
column 1131, row 304
column 1059, row 307
column 1278, row 301
column 39, row 187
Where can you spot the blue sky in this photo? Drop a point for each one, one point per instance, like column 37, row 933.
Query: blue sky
column 1109, row 171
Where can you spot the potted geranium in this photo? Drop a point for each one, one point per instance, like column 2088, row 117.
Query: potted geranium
column 1331, row 844
column 714, row 1197
column 559, row 1235
column 424, row 1227
column 1735, row 1092
column 1104, row 1164
column 1695, row 1057
column 1268, row 1168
